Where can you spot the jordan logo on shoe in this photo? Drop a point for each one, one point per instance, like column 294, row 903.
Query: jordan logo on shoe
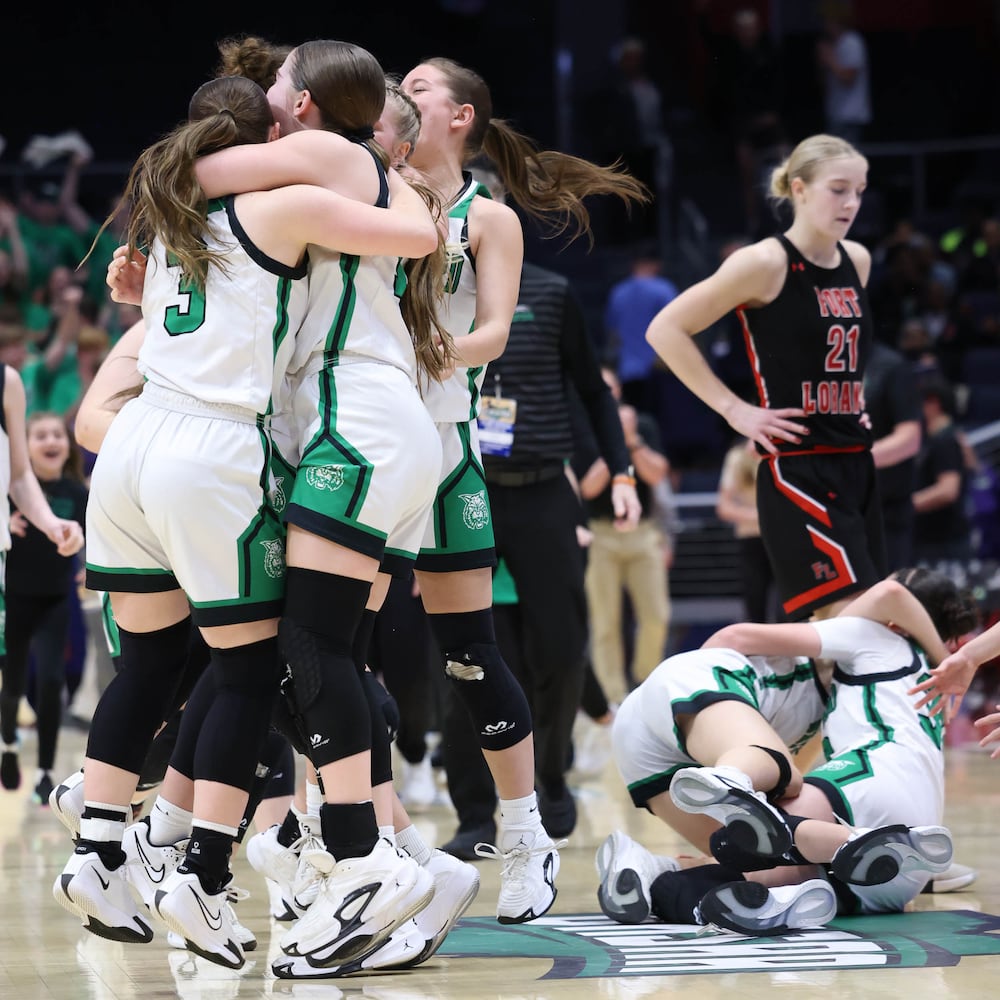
column 154, row 873
column 214, row 920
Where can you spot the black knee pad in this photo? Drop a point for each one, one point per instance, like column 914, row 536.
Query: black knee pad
column 236, row 725
column 139, row 698
column 784, row 771
column 491, row 695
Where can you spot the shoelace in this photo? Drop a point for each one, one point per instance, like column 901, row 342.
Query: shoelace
column 515, row 861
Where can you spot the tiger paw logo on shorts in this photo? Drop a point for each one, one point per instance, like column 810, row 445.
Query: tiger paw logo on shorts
column 277, row 494
column 325, row 477
column 274, row 558
column 476, row 513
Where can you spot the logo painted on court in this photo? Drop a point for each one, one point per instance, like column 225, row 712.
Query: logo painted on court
column 326, row 477
column 476, row 512
column 274, row 558
column 585, row 946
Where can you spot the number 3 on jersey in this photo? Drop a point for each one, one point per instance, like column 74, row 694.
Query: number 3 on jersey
column 189, row 313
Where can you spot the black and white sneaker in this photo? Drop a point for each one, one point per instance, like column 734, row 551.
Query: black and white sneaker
column 205, row 921
column 753, row 909
column 627, row 870
column 727, row 795
column 66, row 802
column 874, row 857
column 100, row 897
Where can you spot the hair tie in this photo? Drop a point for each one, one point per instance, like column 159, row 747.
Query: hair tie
column 360, row 134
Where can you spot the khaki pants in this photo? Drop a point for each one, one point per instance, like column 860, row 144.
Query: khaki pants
column 630, row 562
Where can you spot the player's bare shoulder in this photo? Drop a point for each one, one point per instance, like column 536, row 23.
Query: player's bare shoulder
column 861, row 258
column 494, row 217
column 759, row 269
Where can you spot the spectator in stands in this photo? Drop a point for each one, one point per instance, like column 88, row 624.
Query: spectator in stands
column 50, row 372
column 747, row 101
column 941, row 528
column 632, row 303
column 13, row 259
column 632, row 564
column 893, row 403
column 842, row 57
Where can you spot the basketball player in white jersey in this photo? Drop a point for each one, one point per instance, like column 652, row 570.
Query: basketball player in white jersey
column 183, row 518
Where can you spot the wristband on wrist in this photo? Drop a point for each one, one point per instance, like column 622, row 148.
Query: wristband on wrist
column 627, row 477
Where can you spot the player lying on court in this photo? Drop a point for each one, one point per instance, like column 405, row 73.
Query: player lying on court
column 741, row 722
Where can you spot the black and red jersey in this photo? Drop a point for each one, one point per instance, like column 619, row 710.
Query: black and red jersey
column 808, row 348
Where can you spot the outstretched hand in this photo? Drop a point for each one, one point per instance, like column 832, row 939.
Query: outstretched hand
column 949, row 681
column 993, row 737
column 126, row 277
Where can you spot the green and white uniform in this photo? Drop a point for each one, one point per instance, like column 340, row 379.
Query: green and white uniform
column 648, row 744
column 368, row 454
column 180, row 492
column 459, row 534
column 885, row 759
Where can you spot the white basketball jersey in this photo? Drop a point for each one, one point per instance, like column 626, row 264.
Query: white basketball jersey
column 869, row 703
column 353, row 312
column 232, row 342
column 4, row 470
column 456, row 400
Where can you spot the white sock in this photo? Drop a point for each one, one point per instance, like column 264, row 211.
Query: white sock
column 410, row 841
column 387, row 833
column 520, row 812
column 314, row 799
column 168, row 823
column 109, row 827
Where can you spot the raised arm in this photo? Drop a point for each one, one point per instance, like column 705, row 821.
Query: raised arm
column 312, row 156
column 889, row 602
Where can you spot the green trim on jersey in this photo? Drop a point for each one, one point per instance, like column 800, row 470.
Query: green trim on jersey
column 110, row 627
column 341, row 326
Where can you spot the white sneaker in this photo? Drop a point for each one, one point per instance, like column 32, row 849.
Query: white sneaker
column 361, row 902
column 66, row 802
column 627, row 870
column 418, row 789
column 456, row 884
column 308, row 879
column 279, row 907
column 400, row 950
column 874, row 857
column 149, row 866
column 282, row 865
column 100, row 897
column 245, row 936
column 954, row 878
column 205, row 921
column 727, row 795
column 751, row 908
column 528, row 878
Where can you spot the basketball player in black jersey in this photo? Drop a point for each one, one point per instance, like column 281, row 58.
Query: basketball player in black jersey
column 800, row 297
